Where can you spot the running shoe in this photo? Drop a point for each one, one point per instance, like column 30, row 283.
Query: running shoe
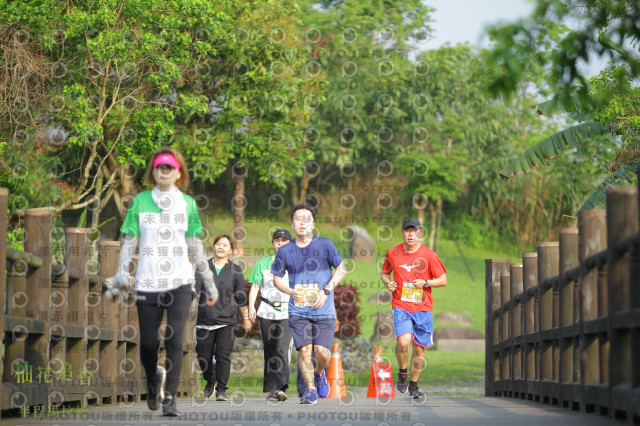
column 403, row 382
column 321, row 384
column 414, row 392
column 272, row 396
column 208, row 389
column 310, row 398
column 169, row 406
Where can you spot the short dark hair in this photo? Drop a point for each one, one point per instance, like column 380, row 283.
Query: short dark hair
column 303, row 206
column 221, row 236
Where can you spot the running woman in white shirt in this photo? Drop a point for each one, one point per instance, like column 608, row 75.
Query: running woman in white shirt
column 166, row 225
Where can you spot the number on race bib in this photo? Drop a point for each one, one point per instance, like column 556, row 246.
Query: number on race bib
column 411, row 293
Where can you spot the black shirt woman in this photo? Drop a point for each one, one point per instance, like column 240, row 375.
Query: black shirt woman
column 216, row 325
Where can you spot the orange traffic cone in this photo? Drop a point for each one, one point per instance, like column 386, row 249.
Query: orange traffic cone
column 335, row 377
column 381, row 378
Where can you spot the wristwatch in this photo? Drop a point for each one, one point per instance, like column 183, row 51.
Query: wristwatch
column 426, row 283
column 326, row 291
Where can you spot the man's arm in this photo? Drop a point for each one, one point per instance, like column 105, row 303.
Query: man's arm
column 386, row 280
column 441, row 281
column 279, row 283
column 338, row 275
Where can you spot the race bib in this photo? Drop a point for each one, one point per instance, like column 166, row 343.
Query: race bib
column 411, row 293
column 308, row 292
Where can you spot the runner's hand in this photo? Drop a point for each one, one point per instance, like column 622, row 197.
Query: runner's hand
column 297, row 297
column 247, row 324
column 319, row 300
column 115, row 285
column 418, row 283
column 211, row 302
column 252, row 314
column 391, row 286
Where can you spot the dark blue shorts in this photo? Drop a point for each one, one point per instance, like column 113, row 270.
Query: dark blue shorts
column 318, row 332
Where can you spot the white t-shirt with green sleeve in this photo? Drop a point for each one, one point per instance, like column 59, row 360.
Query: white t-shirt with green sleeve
column 163, row 221
column 263, row 278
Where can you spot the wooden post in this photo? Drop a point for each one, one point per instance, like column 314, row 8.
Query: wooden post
column 4, row 199
column 516, row 329
column 108, row 256
column 530, row 281
column 16, row 299
column 622, row 221
column 77, row 252
column 593, row 346
column 634, row 291
column 505, row 366
column 569, row 345
column 37, row 226
column 547, row 268
column 493, row 269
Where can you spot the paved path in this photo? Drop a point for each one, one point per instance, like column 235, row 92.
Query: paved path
column 359, row 411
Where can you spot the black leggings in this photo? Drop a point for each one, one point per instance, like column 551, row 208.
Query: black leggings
column 276, row 340
column 218, row 342
column 150, row 317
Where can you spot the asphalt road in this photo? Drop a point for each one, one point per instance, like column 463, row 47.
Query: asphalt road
column 353, row 411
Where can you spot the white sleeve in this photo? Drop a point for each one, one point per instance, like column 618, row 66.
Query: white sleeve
column 196, row 249
column 123, row 278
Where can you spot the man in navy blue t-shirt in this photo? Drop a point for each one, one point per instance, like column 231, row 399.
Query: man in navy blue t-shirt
column 308, row 260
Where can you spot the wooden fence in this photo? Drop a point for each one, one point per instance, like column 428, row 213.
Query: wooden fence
column 563, row 326
column 64, row 342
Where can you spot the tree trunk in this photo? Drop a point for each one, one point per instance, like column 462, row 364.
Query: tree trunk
column 299, row 192
column 420, row 206
column 304, row 185
column 125, row 187
column 439, row 213
column 239, row 205
column 432, row 231
column 294, row 191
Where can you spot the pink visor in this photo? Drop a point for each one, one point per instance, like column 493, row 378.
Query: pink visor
column 168, row 159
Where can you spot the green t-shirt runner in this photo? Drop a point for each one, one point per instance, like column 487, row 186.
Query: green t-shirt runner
column 163, row 221
column 263, row 278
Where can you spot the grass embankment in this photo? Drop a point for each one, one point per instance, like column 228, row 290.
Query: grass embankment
column 462, row 294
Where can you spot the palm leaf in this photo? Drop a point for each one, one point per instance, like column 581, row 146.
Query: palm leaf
column 632, row 61
column 575, row 103
column 552, row 146
column 622, row 176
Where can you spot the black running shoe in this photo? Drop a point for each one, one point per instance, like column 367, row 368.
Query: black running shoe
column 403, row 382
column 208, row 389
column 414, row 392
column 169, row 406
column 155, row 389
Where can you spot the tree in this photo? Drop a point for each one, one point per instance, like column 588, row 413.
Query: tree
column 605, row 105
column 360, row 50
column 121, row 79
column 104, row 80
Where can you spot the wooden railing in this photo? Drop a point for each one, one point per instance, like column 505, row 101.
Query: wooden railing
column 64, row 342
column 563, row 326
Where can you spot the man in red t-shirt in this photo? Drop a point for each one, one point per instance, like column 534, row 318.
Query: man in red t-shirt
column 416, row 269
